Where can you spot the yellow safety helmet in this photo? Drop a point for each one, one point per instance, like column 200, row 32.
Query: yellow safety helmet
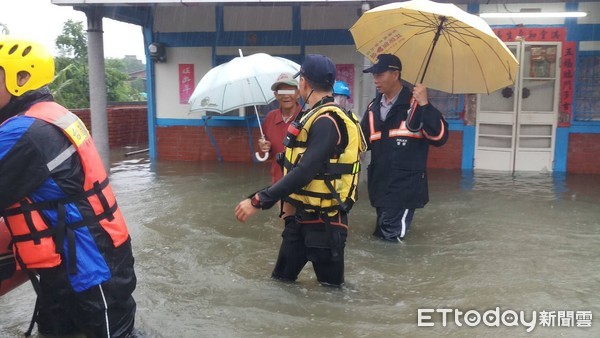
column 18, row 55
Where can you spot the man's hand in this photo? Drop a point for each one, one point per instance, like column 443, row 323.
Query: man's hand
column 244, row 210
column 420, row 94
column 264, row 145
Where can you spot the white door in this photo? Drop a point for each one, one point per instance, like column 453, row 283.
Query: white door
column 516, row 126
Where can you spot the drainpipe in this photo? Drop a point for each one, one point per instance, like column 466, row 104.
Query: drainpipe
column 98, row 114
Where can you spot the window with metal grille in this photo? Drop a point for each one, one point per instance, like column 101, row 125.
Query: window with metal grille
column 451, row 105
column 587, row 90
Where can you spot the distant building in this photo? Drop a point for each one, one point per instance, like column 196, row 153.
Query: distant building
column 140, row 74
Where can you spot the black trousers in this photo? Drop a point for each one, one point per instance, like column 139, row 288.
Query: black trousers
column 393, row 223
column 308, row 238
column 105, row 310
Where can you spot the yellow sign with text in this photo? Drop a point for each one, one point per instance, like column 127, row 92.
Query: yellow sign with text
column 77, row 132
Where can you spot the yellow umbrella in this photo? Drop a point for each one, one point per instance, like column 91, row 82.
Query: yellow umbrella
column 439, row 45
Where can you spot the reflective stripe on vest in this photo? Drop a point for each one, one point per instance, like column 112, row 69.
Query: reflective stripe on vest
column 439, row 136
column 400, row 131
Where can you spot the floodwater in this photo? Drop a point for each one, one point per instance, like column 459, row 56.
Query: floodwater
column 486, row 242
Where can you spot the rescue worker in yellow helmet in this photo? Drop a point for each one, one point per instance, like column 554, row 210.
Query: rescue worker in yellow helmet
column 66, row 227
column 318, row 188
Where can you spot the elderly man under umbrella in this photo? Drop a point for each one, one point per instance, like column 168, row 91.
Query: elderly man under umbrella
column 278, row 120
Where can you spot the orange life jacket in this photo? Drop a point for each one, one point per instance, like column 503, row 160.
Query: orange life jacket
column 37, row 244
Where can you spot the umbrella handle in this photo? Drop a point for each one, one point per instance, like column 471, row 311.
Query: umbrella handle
column 265, row 156
column 262, row 158
column 410, row 114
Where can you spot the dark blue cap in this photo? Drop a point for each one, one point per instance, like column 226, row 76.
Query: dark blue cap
column 384, row 63
column 318, row 68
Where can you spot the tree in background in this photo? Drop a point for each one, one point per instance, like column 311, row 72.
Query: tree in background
column 139, row 85
column 71, row 84
column 117, row 79
column 72, row 43
column 132, row 64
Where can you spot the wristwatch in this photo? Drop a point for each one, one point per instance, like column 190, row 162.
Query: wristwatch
column 255, row 202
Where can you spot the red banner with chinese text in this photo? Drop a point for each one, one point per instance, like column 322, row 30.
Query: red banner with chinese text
column 186, row 82
column 567, row 79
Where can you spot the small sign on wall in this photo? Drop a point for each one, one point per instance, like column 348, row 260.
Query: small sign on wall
column 567, row 79
column 345, row 72
column 186, row 82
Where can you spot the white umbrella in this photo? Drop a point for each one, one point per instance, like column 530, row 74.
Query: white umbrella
column 242, row 82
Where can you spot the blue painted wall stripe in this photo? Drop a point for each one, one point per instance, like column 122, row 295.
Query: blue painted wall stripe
column 265, row 38
column 585, row 127
column 468, row 151
column 455, row 125
column 214, row 121
column 561, row 149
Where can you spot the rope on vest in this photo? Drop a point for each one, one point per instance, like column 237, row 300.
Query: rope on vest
column 63, row 230
column 26, row 208
column 59, row 238
column 38, row 291
column 96, row 190
column 342, row 204
column 34, row 282
column 36, row 308
column 98, row 187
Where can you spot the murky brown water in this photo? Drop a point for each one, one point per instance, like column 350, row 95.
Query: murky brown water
column 523, row 243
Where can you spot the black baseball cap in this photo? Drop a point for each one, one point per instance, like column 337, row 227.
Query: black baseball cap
column 384, row 63
column 319, row 69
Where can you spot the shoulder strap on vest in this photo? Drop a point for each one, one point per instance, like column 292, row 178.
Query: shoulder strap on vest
column 46, row 109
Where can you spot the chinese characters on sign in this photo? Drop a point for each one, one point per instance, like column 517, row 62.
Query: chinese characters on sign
column 186, row 82
column 567, row 66
column 500, row 317
column 567, row 77
column 392, row 41
column 532, row 34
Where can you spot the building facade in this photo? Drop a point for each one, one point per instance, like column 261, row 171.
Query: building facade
column 548, row 121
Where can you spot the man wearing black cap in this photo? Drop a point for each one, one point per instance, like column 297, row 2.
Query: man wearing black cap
column 397, row 176
column 319, row 184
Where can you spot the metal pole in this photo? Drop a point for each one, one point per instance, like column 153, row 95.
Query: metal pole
column 413, row 105
column 97, row 82
column 443, row 19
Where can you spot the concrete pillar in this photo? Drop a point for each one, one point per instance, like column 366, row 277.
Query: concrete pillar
column 367, row 86
column 98, row 114
column 367, row 94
